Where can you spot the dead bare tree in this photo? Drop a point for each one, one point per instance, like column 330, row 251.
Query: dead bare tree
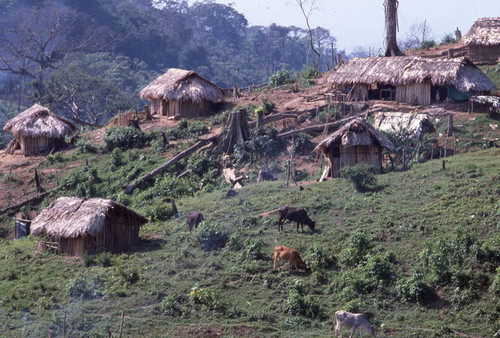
column 307, row 7
column 391, row 28
column 237, row 131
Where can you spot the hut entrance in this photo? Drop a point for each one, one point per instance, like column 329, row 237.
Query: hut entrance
column 335, row 161
column 439, row 93
column 378, row 91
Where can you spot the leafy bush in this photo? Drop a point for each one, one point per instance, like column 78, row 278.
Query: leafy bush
column 267, row 106
column 104, row 259
column 357, row 248
column 426, row 44
column 318, row 258
column 159, row 211
column 280, row 78
column 116, row 158
column 303, row 144
column 124, row 138
column 85, row 287
column 307, row 74
column 186, row 129
column 264, row 145
column 414, row 289
column 170, row 306
column 253, row 250
column 361, row 175
column 211, row 236
column 448, row 39
column 299, row 304
column 84, row 146
column 208, row 297
column 495, row 286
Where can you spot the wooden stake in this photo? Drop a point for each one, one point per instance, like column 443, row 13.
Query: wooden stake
column 64, row 325
column 121, row 322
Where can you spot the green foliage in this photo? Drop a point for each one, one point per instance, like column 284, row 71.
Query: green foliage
column 264, row 145
column 82, row 182
column 361, row 175
column 357, row 247
column 116, row 157
column 280, row 78
column 253, row 250
column 159, row 211
column 307, row 74
column 170, row 306
column 414, row 289
column 124, row 138
column 211, row 236
column 302, row 144
column 208, row 297
column 83, row 146
column 426, row 44
column 495, row 286
column 85, row 287
column 318, row 258
column 300, row 304
column 267, row 106
column 448, row 39
column 187, row 129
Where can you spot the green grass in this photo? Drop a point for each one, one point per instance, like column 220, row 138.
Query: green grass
column 408, row 213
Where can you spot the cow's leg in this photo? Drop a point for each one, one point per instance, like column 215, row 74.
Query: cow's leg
column 352, row 332
column 339, row 330
column 297, row 227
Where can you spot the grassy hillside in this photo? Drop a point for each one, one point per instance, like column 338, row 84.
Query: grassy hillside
column 418, row 254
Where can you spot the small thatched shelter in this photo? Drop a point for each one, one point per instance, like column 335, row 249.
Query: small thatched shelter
column 483, row 41
column 356, row 142
column 37, row 130
column 394, row 122
column 410, row 79
column 182, row 92
column 92, row 225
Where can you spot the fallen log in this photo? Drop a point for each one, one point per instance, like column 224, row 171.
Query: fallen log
column 131, row 187
column 272, row 118
column 318, row 127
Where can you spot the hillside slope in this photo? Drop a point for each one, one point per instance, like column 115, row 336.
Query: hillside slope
column 418, row 254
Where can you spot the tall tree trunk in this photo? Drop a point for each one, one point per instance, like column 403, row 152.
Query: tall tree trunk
column 391, row 27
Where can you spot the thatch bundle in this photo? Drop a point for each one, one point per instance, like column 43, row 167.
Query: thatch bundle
column 355, row 133
column 38, row 121
column 72, row 217
column 416, row 124
column 182, row 85
column 405, row 70
column 485, row 32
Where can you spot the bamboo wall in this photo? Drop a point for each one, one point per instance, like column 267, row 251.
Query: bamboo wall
column 360, row 93
column 155, row 107
column 484, row 54
column 118, row 233
column 350, row 156
column 187, row 109
column 32, row 146
column 414, row 93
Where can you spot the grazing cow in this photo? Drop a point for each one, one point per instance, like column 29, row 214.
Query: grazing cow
column 194, row 218
column 295, row 215
column 265, row 176
column 291, row 256
column 354, row 320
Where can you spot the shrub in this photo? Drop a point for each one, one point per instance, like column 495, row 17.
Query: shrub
column 280, row 78
column 253, row 250
column 84, row 146
column 448, row 39
column 104, row 259
column 414, row 289
column 361, row 175
column 86, row 287
column 263, row 145
column 169, row 306
column 124, row 138
column 318, row 258
column 186, row 129
column 307, row 74
column 357, row 248
column 303, row 144
column 116, row 157
column 426, row 44
column 211, row 236
column 495, row 286
column 208, row 297
column 299, row 304
column 159, row 211
column 267, row 106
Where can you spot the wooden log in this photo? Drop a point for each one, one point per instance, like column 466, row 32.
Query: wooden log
column 273, row 118
column 131, row 187
column 316, row 128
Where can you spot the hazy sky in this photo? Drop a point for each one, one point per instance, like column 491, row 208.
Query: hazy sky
column 361, row 22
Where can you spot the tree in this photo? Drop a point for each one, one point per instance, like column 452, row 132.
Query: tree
column 417, row 35
column 307, row 7
column 391, row 27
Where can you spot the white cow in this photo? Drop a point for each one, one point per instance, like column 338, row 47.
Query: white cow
column 354, row 320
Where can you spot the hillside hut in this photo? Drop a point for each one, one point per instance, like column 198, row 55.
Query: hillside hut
column 483, row 41
column 182, row 92
column 416, row 125
column 76, row 225
column 356, row 142
column 410, row 79
column 37, row 130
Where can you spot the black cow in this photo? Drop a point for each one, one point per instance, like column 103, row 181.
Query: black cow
column 295, row 215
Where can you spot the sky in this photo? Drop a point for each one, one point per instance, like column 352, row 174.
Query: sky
column 361, row 22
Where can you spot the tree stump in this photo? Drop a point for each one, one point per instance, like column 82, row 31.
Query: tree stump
column 237, row 131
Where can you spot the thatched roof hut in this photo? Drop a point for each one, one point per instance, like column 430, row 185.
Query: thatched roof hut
column 394, row 122
column 410, row 79
column 37, row 130
column 92, row 225
column 181, row 92
column 483, row 41
column 354, row 143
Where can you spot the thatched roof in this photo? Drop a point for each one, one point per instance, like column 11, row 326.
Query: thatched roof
column 485, row 31
column 182, row 85
column 403, row 70
column 355, row 133
column 416, row 124
column 71, row 217
column 39, row 121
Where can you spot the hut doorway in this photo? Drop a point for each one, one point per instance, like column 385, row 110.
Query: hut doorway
column 387, row 92
column 439, row 93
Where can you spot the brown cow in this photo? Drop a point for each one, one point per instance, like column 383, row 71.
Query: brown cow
column 291, row 256
column 194, row 218
column 295, row 215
